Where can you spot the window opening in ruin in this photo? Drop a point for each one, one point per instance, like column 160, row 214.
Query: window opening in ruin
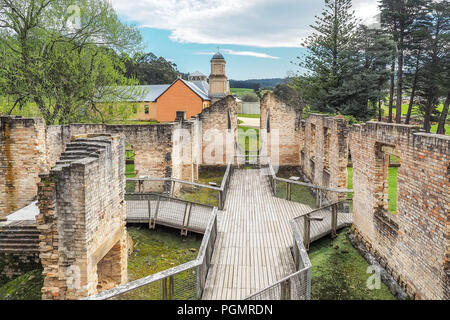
column 130, row 168
column 147, row 110
column 326, row 148
column 387, row 166
column 312, row 147
column 108, row 269
column 392, row 176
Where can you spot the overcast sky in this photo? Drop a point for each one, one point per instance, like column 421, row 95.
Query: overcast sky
column 259, row 38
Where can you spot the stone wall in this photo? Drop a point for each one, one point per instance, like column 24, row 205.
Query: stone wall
column 413, row 243
column 280, row 131
column 324, row 152
column 22, row 157
column 219, row 132
column 82, row 219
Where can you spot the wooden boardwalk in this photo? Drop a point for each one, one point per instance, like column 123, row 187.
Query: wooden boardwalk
column 252, row 249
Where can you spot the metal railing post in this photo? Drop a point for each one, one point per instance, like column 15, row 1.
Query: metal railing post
column 171, row 288
column 334, row 213
column 306, row 231
column 172, row 187
column 164, row 289
column 286, row 290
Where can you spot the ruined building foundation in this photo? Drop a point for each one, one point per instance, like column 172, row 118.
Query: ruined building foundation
column 82, row 219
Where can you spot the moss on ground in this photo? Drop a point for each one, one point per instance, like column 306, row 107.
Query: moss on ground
column 202, row 195
column 25, row 287
column 156, row 251
column 340, row 273
column 299, row 194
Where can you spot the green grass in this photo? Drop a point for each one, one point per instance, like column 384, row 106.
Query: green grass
column 202, row 195
column 242, row 92
column 339, row 272
column 158, row 250
column 244, row 141
column 392, row 191
column 299, row 194
column 435, row 127
column 26, row 287
column 350, row 182
column 252, row 116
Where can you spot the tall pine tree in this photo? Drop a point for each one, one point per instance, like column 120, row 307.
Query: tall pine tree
column 398, row 16
column 327, row 59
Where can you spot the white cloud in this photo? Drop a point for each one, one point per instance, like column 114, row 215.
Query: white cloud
column 241, row 53
column 260, row 23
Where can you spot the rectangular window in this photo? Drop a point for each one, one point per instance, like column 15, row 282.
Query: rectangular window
column 326, row 147
column 146, row 110
column 387, row 165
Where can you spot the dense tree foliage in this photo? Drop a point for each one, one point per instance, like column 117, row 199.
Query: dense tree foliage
column 63, row 56
column 351, row 68
column 149, row 69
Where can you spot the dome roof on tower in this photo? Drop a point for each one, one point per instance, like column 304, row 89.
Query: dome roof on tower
column 218, row 56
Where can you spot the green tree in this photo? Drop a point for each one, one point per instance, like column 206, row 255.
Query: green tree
column 398, row 17
column 149, row 69
column 328, row 52
column 63, row 55
column 434, row 80
column 366, row 79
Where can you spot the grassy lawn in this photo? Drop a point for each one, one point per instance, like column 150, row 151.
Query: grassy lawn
column 158, row 250
column 244, row 140
column 435, row 127
column 339, row 272
column 299, row 194
column 242, row 92
column 202, row 195
column 252, row 116
column 392, row 194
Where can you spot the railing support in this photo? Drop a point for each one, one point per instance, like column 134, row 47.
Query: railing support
column 306, row 232
column 286, row 290
column 334, row 218
column 307, row 229
column 153, row 221
column 164, row 289
column 171, row 288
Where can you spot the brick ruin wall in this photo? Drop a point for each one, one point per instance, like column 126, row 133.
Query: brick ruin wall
column 82, row 219
column 218, row 125
column 22, row 158
column 280, row 131
column 412, row 244
column 324, row 152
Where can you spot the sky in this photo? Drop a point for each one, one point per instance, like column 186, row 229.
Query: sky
column 258, row 38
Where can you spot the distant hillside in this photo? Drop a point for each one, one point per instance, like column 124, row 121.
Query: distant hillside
column 256, row 83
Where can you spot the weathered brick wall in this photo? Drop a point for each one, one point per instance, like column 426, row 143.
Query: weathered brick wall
column 413, row 244
column 280, row 131
column 22, row 157
column 82, row 219
column 219, row 132
column 152, row 145
column 324, row 151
